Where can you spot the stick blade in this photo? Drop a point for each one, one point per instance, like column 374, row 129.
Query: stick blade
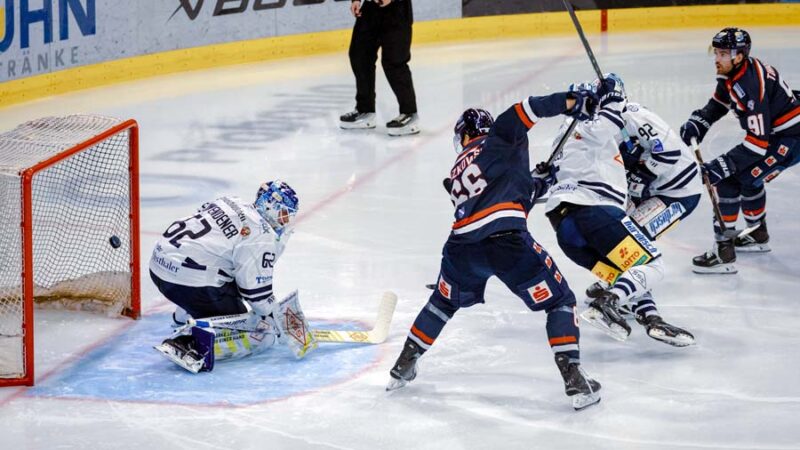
column 376, row 335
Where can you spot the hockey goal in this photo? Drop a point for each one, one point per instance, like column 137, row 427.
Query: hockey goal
column 69, row 233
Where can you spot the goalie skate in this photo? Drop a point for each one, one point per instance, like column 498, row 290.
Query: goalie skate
column 179, row 351
column 583, row 390
column 603, row 314
column 667, row 333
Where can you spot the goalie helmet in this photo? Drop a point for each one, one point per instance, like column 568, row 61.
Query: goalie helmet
column 473, row 122
column 277, row 203
column 733, row 39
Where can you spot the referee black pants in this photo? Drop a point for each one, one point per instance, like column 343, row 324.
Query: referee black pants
column 387, row 28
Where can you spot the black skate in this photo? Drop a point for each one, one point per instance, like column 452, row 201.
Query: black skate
column 583, row 390
column 603, row 313
column 181, row 350
column 405, row 369
column 403, row 124
column 355, row 120
column 718, row 260
column 664, row 332
column 597, row 289
column 757, row 241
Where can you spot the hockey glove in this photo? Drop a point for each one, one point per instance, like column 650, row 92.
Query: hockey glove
column 585, row 104
column 718, row 169
column 610, row 90
column 544, row 177
column 639, row 183
column 696, row 127
column 631, row 152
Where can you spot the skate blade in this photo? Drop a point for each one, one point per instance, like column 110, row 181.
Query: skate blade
column 754, row 248
column 395, row 384
column 583, row 401
column 169, row 352
column 722, row 269
column 679, row 340
column 405, row 131
column 595, row 319
column 363, row 125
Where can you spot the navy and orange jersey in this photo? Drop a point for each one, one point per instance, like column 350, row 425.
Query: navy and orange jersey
column 491, row 181
column 764, row 104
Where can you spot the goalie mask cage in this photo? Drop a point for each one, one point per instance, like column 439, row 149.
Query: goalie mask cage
column 69, row 233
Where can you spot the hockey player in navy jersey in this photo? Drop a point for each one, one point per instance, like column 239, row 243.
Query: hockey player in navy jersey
column 491, row 187
column 217, row 266
column 586, row 208
column 769, row 112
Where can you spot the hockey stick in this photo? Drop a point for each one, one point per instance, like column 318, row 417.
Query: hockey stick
column 376, row 335
column 557, row 151
column 712, row 193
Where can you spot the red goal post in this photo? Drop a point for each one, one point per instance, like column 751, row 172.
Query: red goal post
column 69, row 227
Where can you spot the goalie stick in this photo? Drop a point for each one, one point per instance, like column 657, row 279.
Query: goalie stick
column 376, row 335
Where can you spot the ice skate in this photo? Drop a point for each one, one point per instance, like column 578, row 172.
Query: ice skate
column 180, row 350
column 403, row 125
column 603, row 313
column 405, row 369
column 596, row 290
column 664, row 332
column 719, row 260
column 757, row 241
column 583, row 390
column 357, row 120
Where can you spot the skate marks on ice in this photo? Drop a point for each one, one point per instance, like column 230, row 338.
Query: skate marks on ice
column 127, row 369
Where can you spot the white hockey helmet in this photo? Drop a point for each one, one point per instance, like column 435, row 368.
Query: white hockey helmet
column 278, row 204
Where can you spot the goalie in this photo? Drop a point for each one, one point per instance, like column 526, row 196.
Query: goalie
column 216, row 266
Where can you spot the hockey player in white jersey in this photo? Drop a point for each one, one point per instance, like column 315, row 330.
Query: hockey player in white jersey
column 664, row 184
column 586, row 208
column 216, row 266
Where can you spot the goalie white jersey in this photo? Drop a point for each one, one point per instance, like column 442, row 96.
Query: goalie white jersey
column 665, row 155
column 226, row 241
column 590, row 170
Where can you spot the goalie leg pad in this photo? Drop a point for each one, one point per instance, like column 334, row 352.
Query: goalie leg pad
column 295, row 331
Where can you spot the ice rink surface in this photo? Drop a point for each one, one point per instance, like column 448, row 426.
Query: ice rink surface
column 373, row 218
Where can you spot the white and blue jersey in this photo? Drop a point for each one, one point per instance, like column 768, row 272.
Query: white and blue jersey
column 227, row 243
column 664, row 155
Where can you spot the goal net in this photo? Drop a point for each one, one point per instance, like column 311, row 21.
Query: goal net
column 68, row 226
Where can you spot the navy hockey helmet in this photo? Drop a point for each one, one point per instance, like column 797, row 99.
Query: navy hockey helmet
column 277, row 203
column 733, row 39
column 473, row 122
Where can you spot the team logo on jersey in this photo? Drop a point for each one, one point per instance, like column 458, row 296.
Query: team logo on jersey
column 783, row 150
column 548, row 262
column 558, row 276
column 739, row 90
column 658, row 146
column 750, row 105
column 245, row 231
column 756, row 172
column 444, row 288
column 540, row 292
column 537, row 248
column 460, row 212
column 772, row 176
column 770, row 161
column 577, row 136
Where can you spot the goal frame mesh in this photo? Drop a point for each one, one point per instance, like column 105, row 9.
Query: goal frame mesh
column 133, row 310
